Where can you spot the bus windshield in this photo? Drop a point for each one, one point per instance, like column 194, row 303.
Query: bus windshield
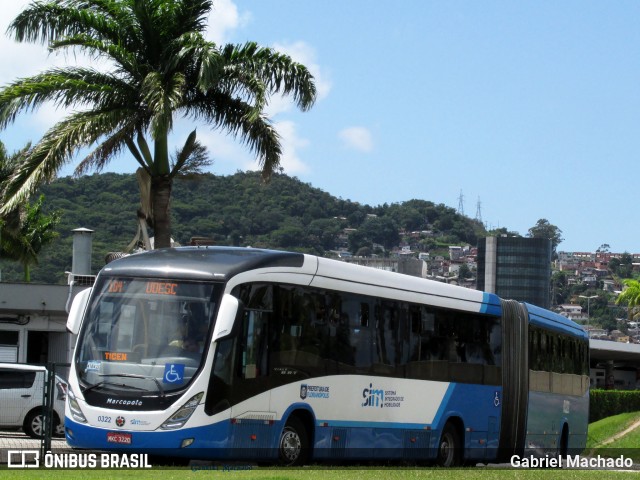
column 143, row 336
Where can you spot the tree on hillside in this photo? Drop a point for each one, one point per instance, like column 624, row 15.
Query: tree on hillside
column 623, row 266
column 544, row 229
column 163, row 66
column 501, row 232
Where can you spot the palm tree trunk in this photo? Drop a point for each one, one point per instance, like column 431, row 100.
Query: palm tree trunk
column 160, row 198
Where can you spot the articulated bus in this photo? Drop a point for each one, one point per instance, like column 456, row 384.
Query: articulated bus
column 239, row 353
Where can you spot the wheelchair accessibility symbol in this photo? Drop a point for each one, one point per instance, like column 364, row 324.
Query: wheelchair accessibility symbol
column 173, row 373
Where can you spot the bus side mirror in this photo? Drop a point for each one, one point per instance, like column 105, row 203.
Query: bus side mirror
column 79, row 305
column 229, row 315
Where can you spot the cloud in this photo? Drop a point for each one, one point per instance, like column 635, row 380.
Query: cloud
column 223, row 19
column 357, row 138
column 291, row 144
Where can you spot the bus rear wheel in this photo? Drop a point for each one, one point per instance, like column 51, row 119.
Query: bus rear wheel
column 449, row 447
column 293, row 448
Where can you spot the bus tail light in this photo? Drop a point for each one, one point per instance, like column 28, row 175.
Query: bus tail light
column 179, row 418
column 74, row 407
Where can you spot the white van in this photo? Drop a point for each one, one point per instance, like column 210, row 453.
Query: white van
column 21, row 397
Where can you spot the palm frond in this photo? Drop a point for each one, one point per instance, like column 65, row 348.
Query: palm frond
column 56, row 148
column 64, row 88
column 192, row 159
column 47, row 21
column 102, row 154
column 278, row 72
column 239, row 119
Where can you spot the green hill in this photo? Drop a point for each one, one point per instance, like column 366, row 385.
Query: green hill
column 240, row 210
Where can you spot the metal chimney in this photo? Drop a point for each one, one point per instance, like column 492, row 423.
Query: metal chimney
column 82, row 243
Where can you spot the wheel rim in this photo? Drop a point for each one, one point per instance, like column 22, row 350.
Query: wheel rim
column 446, row 450
column 37, row 425
column 290, row 445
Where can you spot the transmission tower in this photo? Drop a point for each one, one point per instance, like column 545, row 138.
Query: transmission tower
column 478, row 211
column 461, row 203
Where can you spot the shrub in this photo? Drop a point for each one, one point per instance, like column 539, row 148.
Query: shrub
column 605, row 403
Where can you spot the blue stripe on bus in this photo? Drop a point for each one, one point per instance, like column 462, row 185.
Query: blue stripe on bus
column 444, row 404
column 491, row 304
column 359, row 424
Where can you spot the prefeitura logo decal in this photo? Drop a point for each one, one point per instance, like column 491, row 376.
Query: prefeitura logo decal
column 120, row 421
column 313, row 391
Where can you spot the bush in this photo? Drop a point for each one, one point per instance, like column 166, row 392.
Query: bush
column 605, row 403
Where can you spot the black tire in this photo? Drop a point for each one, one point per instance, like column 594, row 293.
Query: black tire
column 33, row 425
column 563, row 449
column 449, row 447
column 58, row 427
column 293, row 447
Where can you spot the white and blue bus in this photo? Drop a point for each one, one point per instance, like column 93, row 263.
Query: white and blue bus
column 232, row 353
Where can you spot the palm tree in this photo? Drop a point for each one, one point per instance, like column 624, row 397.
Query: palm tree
column 10, row 220
column 162, row 67
column 25, row 229
column 36, row 230
column 630, row 296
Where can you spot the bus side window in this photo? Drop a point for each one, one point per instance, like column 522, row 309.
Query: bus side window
column 253, row 348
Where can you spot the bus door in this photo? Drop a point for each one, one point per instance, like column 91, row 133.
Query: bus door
column 251, row 419
column 251, row 361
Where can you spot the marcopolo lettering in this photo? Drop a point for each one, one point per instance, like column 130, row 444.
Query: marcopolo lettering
column 121, row 401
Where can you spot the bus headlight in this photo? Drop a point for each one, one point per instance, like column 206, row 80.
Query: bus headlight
column 76, row 413
column 179, row 418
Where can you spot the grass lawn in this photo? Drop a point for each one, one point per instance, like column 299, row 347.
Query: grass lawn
column 320, row 474
column 602, row 430
column 608, row 427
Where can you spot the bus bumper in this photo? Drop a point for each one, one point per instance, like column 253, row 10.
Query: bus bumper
column 207, row 442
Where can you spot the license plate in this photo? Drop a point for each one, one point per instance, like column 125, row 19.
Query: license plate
column 122, row 438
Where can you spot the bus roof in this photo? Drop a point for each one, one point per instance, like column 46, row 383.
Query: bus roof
column 200, row 263
column 554, row 321
column 222, row 263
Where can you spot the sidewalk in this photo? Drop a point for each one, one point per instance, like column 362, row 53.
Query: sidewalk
column 14, row 440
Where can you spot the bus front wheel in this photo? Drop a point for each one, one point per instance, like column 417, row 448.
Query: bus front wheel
column 293, row 448
column 449, row 447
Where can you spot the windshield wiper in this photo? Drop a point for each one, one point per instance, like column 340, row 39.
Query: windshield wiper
column 130, row 375
column 102, row 384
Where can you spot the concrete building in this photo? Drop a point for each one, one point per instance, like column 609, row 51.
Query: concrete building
column 515, row 268
column 33, row 317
